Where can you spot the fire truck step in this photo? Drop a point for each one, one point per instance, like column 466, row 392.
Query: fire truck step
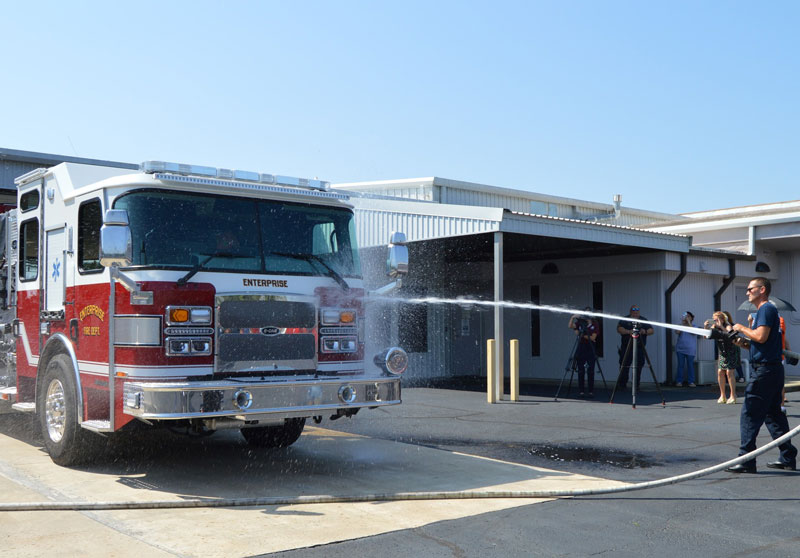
column 97, row 425
column 24, row 407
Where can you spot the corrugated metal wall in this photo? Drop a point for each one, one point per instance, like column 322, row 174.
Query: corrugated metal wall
column 9, row 170
column 375, row 226
column 421, row 192
column 450, row 192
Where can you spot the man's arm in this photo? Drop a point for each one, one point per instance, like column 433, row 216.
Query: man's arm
column 759, row 335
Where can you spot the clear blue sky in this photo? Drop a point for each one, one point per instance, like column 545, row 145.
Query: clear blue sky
column 678, row 106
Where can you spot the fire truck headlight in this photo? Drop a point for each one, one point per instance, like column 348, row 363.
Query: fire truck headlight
column 339, row 344
column 178, row 346
column 188, row 346
column 330, row 316
column 200, row 316
column 394, row 361
column 201, row 346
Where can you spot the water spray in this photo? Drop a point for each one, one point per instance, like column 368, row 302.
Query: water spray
column 547, row 308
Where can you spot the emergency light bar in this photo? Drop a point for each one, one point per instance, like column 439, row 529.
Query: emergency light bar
column 153, row 167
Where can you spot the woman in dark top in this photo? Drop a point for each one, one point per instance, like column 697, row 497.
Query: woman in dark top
column 729, row 356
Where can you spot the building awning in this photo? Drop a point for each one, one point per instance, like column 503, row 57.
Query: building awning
column 555, row 237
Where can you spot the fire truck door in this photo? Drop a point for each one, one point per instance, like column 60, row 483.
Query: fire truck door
column 55, row 273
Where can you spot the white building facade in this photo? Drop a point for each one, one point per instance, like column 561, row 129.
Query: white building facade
column 573, row 253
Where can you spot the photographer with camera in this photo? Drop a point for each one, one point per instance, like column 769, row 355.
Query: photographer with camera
column 625, row 329
column 729, row 355
column 586, row 329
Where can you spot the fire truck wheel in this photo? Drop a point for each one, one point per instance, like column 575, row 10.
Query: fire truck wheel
column 66, row 442
column 275, row 436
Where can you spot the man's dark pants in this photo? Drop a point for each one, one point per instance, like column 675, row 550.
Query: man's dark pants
column 625, row 365
column 762, row 405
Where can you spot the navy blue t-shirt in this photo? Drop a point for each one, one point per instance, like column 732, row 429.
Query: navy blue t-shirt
column 769, row 351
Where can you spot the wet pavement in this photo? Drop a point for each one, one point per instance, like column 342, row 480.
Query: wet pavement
column 720, row 515
column 438, row 439
column 591, row 436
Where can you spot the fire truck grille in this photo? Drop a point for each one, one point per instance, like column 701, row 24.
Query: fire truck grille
column 265, row 334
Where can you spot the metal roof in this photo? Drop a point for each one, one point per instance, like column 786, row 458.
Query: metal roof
column 756, row 215
column 15, row 163
column 49, row 160
column 426, row 221
column 412, row 183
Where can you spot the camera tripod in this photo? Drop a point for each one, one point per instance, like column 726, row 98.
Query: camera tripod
column 572, row 365
column 633, row 365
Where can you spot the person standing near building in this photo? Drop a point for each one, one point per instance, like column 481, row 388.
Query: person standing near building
column 686, row 349
column 762, row 402
column 729, row 356
column 586, row 329
column 625, row 329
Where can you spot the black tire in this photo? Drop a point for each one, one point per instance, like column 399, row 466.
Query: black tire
column 275, row 436
column 57, row 409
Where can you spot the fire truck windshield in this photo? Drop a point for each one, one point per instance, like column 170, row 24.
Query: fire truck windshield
column 221, row 233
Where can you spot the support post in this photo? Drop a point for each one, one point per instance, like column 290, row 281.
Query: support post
column 513, row 356
column 499, row 337
column 491, row 394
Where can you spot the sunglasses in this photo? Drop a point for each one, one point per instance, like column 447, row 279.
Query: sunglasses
column 753, row 288
column 635, row 309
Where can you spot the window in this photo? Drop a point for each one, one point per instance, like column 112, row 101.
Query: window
column 223, row 233
column 29, row 250
column 89, row 222
column 536, row 324
column 29, row 200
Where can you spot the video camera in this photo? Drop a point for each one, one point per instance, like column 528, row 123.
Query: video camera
column 581, row 324
column 792, row 358
column 719, row 335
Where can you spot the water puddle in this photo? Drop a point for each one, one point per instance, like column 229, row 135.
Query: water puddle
column 527, row 454
column 612, row 458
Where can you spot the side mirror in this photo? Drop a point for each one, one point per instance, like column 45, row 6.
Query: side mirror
column 116, row 246
column 397, row 262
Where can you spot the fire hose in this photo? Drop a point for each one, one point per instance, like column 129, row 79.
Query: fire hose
column 388, row 497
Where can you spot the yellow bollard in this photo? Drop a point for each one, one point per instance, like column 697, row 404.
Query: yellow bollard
column 514, row 366
column 491, row 396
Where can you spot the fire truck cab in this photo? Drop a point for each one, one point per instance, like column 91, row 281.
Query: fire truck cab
column 186, row 296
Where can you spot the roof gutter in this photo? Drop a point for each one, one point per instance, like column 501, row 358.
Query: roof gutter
column 668, row 314
column 725, row 284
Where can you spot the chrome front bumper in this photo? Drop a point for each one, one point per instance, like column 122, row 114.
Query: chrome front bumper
column 246, row 400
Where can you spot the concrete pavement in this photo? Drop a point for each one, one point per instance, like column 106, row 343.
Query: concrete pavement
column 438, row 439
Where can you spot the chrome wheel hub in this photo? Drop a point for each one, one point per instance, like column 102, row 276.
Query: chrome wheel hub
column 55, row 411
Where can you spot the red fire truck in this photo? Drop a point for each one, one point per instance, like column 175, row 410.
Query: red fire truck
column 187, row 296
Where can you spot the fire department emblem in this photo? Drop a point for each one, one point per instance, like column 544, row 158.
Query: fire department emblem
column 89, row 311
